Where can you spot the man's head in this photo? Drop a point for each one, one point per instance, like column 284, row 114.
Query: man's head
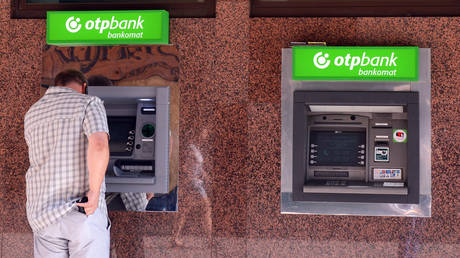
column 72, row 79
column 99, row 80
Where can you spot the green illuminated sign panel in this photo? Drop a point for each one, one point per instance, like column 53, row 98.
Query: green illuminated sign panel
column 355, row 63
column 107, row 27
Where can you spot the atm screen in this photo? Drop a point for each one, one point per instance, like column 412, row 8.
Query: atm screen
column 336, row 148
column 122, row 130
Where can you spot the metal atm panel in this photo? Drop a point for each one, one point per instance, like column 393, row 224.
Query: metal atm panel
column 138, row 119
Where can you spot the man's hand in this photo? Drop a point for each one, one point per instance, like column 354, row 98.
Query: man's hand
column 150, row 196
column 93, row 201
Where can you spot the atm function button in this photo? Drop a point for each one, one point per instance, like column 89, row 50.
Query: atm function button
column 312, row 148
column 362, row 151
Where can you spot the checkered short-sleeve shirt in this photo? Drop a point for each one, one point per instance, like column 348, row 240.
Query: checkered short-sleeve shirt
column 56, row 129
column 134, row 201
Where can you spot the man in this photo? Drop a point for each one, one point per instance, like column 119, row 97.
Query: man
column 67, row 135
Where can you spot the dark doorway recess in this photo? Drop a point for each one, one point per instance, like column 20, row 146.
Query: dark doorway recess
column 36, row 9
column 354, row 8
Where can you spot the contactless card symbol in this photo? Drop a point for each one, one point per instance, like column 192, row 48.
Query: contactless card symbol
column 399, row 135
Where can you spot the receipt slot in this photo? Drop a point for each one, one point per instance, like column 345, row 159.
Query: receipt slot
column 356, row 131
column 138, row 119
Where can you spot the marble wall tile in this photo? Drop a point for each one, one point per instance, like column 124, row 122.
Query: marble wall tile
column 4, row 11
column 445, row 87
column 25, row 44
column 4, row 57
column 304, row 247
column 194, row 39
column 444, row 168
column 231, row 52
column 230, row 81
column 14, row 204
column 229, row 158
column 17, row 245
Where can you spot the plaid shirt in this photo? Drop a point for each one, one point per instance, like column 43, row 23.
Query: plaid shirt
column 134, row 201
column 56, row 129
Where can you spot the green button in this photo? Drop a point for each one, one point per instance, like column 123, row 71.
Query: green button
column 148, row 130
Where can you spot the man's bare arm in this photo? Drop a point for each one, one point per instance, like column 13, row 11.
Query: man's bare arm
column 97, row 158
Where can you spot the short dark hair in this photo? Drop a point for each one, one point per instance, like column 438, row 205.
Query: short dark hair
column 99, row 80
column 65, row 77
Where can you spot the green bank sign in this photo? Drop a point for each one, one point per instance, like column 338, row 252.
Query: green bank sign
column 107, row 27
column 355, row 63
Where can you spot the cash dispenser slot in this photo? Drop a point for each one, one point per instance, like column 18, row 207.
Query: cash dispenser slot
column 133, row 172
column 355, row 189
column 333, row 174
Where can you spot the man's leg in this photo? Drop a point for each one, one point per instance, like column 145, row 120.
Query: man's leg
column 89, row 236
column 48, row 242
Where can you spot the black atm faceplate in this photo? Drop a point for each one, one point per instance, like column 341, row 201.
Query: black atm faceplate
column 300, row 149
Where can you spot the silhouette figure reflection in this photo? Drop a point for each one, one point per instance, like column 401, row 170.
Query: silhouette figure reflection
column 196, row 180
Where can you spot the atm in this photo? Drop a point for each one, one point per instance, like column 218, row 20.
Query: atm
column 138, row 120
column 354, row 146
column 356, row 131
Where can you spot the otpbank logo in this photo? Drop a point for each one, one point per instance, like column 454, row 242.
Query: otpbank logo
column 355, row 63
column 72, row 24
column 321, row 61
column 108, row 27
